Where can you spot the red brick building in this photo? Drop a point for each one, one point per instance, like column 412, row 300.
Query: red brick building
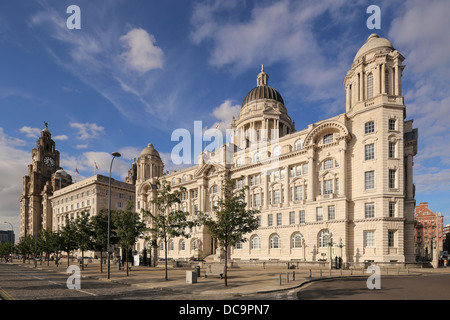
column 428, row 229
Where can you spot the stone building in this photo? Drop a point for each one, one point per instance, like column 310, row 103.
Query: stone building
column 429, row 231
column 342, row 186
column 43, row 178
column 89, row 196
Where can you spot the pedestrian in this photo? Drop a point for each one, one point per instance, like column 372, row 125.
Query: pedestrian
column 445, row 262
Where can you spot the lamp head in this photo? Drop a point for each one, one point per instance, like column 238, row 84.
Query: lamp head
column 116, row 154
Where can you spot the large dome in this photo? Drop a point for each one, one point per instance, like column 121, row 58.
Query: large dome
column 374, row 42
column 149, row 150
column 262, row 90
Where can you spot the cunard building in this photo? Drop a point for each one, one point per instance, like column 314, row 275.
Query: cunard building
column 341, row 187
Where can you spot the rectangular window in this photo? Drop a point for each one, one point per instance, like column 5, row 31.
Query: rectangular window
column 391, row 124
column 259, row 221
column 391, row 149
column 305, row 169
column 391, row 178
column 257, row 199
column 279, row 219
column 319, row 214
column 369, row 127
column 276, row 196
column 328, row 138
column 299, row 170
column 369, row 180
column 391, row 238
column 328, row 187
column 298, row 193
column 292, row 217
column 270, row 220
column 331, row 212
column 369, row 238
column 370, row 85
column 302, row 216
column 369, row 151
column 369, row 210
column 391, row 209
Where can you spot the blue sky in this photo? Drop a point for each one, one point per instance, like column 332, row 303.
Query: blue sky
column 138, row 69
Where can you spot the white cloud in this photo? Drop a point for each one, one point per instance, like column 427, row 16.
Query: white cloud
column 81, row 146
column 88, row 130
column 61, row 137
column 31, row 132
column 419, row 33
column 276, row 32
column 13, row 167
column 142, row 54
column 224, row 113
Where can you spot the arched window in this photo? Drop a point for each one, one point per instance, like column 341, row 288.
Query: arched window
column 256, row 157
column 256, row 242
column 275, row 242
column 276, row 151
column 171, row 245
column 297, row 240
column 184, row 178
column 298, row 145
column 194, row 244
column 173, row 181
column 324, row 238
column 239, row 162
column 369, row 85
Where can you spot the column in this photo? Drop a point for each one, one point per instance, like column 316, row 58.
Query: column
column 286, row 186
column 383, row 78
column 266, row 191
column 348, row 97
column 342, row 171
column 311, row 171
column 409, row 177
column 361, row 86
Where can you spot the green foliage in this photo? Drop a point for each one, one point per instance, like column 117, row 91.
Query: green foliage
column 231, row 221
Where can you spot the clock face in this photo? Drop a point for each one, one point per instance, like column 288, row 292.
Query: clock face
column 49, row 162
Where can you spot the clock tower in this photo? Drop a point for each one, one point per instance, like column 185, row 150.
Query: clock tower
column 44, row 177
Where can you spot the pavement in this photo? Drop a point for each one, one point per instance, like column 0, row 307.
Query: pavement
column 241, row 281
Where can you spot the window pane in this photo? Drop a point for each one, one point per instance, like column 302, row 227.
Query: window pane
column 369, row 180
column 369, row 152
column 369, row 210
column 369, row 127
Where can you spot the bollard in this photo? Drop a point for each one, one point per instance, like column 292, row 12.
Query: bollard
column 330, row 272
column 287, row 277
column 293, row 276
column 398, row 271
column 321, row 273
column 341, row 272
column 310, row 273
column 351, row 272
column 407, row 270
column 280, row 279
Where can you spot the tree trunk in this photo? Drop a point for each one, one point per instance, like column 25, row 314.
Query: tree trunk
column 101, row 261
column 226, row 268
column 126, row 248
column 165, row 259
column 82, row 260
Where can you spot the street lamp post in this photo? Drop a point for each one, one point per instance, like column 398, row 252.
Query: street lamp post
column 12, row 242
column 114, row 154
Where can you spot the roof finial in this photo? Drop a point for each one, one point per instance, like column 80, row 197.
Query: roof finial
column 262, row 68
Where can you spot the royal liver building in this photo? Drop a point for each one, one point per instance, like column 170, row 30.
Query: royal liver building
column 342, row 187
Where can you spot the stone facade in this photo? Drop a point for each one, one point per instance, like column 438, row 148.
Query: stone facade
column 341, row 187
column 43, row 178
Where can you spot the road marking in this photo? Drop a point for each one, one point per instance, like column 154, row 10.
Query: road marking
column 92, row 294
column 6, row 294
column 55, row 283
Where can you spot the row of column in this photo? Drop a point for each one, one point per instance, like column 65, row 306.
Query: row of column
column 385, row 81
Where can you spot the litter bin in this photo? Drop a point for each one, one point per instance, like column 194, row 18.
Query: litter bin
column 191, row 277
column 197, row 271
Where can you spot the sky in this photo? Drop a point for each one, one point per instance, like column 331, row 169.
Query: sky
column 137, row 70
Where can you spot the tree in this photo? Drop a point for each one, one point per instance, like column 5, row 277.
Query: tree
column 128, row 227
column 232, row 221
column 25, row 246
column 69, row 237
column 167, row 222
column 99, row 224
column 46, row 241
column 83, row 234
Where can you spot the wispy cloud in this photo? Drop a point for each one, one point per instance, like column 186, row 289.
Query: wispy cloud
column 30, row 132
column 88, row 130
